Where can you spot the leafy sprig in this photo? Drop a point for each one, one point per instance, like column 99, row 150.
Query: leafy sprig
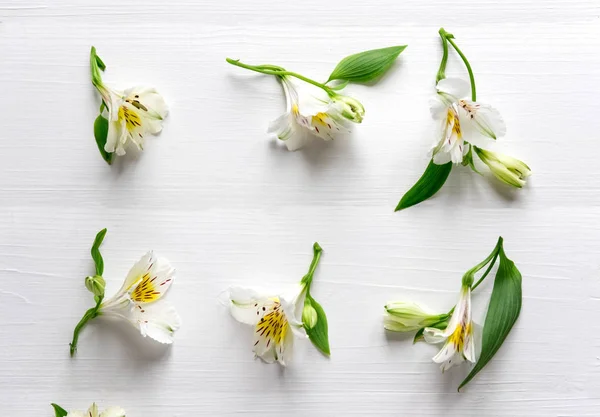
column 503, row 310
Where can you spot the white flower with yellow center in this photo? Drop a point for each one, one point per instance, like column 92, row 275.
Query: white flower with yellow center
column 310, row 112
column 457, row 337
column 139, row 299
column 274, row 319
column 93, row 412
column 459, row 115
column 132, row 114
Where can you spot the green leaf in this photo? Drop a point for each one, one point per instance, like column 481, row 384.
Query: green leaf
column 59, row 411
column 503, row 311
column 318, row 334
column 366, row 66
column 340, row 86
column 430, row 183
column 96, row 255
column 101, row 133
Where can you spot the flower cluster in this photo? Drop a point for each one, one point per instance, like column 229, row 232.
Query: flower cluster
column 125, row 116
column 276, row 317
column 466, row 128
column 315, row 109
column 455, row 330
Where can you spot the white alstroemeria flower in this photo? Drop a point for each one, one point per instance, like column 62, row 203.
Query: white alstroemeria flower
column 310, row 112
column 93, row 412
column 406, row 317
column 455, row 112
column 139, row 299
column 506, row 168
column 132, row 114
column 274, row 320
column 457, row 337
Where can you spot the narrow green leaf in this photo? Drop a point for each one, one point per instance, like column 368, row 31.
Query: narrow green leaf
column 96, row 255
column 430, row 183
column 366, row 66
column 101, row 133
column 503, row 311
column 318, row 334
column 59, row 411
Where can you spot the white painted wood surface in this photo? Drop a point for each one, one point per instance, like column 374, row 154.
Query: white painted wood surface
column 227, row 205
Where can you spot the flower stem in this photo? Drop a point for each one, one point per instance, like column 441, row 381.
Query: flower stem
column 492, row 257
column 307, row 279
column 278, row 71
column 449, row 37
column 442, row 71
column 89, row 315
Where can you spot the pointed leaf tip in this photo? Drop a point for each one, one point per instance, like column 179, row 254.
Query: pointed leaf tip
column 430, row 183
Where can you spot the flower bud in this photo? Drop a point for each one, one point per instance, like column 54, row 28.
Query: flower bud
column 350, row 108
column 95, row 285
column 407, row 317
column 309, row 316
column 506, row 168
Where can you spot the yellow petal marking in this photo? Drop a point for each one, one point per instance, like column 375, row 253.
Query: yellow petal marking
column 146, row 291
column 131, row 118
column 457, row 338
column 273, row 325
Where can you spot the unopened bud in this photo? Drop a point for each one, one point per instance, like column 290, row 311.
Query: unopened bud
column 309, row 316
column 95, row 285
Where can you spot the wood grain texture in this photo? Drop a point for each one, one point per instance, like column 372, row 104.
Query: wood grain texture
column 227, row 205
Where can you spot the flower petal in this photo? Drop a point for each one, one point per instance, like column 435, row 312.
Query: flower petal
column 155, row 281
column 446, row 353
column 438, row 108
column 469, row 348
column 299, row 139
column 455, row 87
column 328, row 124
column 485, row 118
column 285, row 349
column 122, row 139
column 113, row 412
column 247, row 304
column 434, row 336
column 135, row 275
column 283, row 127
column 455, row 360
column 442, row 158
column 270, row 330
column 148, row 101
column 158, row 321
column 112, row 137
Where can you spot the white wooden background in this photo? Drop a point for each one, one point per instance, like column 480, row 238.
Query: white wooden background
column 226, row 205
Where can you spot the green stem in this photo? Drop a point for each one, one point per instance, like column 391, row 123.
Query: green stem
column 307, row 279
column 278, row 71
column 492, row 257
column 442, row 71
column 480, row 280
column 89, row 315
column 469, row 69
